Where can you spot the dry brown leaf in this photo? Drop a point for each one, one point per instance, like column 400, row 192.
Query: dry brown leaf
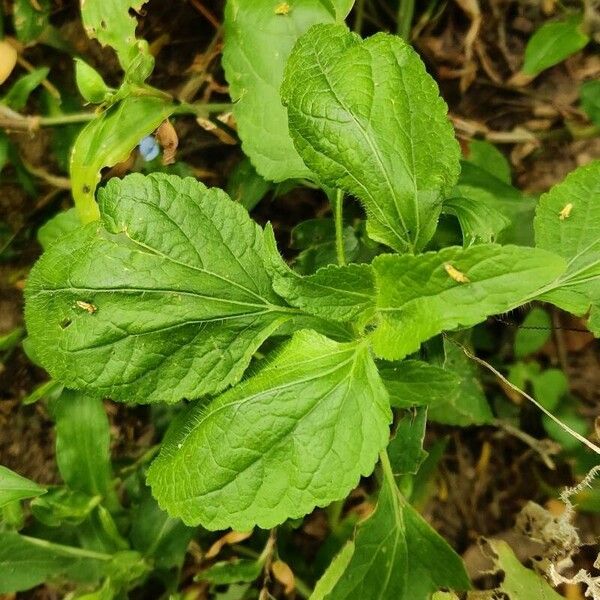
column 282, row 573
column 573, row 592
column 167, row 138
column 486, row 63
column 217, row 131
column 473, row 12
column 522, row 151
column 520, row 79
column 232, row 537
column 8, row 60
column 548, row 7
column 538, row 124
column 228, row 119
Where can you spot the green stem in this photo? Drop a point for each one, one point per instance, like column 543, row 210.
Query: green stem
column 406, row 12
column 202, row 109
column 360, row 16
column 82, row 117
column 386, row 466
column 339, row 227
column 67, row 550
column 11, row 119
column 302, row 588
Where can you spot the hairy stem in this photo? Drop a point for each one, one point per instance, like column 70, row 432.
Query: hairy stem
column 10, row 119
column 339, row 227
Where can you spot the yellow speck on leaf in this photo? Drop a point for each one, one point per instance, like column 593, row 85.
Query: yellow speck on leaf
column 565, row 213
column 456, row 274
column 282, row 9
column 87, row 306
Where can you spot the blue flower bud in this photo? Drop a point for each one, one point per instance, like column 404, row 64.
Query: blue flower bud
column 149, row 148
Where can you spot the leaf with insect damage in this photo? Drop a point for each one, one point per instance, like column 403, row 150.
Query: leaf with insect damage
column 168, row 296
column 567, row 222
column 421, row 296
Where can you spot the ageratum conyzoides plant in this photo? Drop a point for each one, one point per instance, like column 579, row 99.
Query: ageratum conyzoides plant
column 290, row 380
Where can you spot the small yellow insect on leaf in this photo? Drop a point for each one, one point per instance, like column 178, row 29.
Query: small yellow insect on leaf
column 565, row 213
column 282, row 9
column 87, row 306
column 456, row 274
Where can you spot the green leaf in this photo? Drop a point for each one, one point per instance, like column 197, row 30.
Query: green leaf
column 487, row 157
column 468, row 405
column 533, row 333
column 258, row 42
column 549, row 387
column 235, row 571
column 11, row 339
column 4, row 150
column 236, row 463
column 520, row 583
column 567, row 221
column 48, row 390
column 417, row 383
column 156, row 535
column 14, row 487
column 246, row 186
column 60, row 225
column 82, row 443
column 107, row 140
column 26, row 562
column 63, row 137
column 30, row 19
column 405, row 450
column 367, row 118
column 315, row 238
column 479, row 222
column 568, row 415
column 520, row 373
column 398, row 555
column 17, row 96
column 590, row 100
column 552, row 43
column 421, row 296
column 90, row 83
column 334, row 572
column 337, row 293
column 341, row 7
column 174, row 297
column 112, row 23
column 105, row 592
column 478, row 185
column 63, row 507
